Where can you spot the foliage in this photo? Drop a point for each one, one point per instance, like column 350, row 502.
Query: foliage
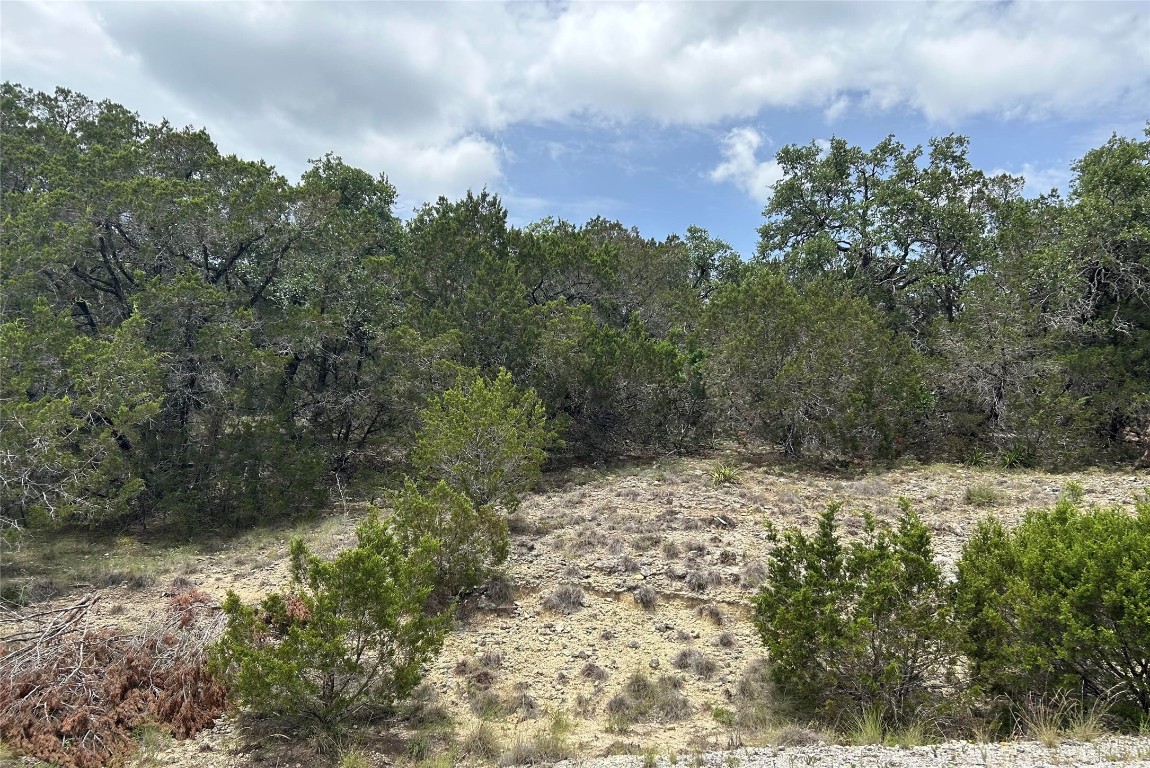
column 861, row 627
column 472, row 539
column 812, row 371
column 485, row 439
column 1062, row 602
column 351, row 633
column 73, row 412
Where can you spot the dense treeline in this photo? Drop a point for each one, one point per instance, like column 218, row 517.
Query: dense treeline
column 188, row 335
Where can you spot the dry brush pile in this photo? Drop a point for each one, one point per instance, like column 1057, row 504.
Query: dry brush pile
column 73, row 694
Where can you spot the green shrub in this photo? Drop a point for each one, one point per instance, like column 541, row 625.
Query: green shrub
column 472, row 539
column 1062, row 602
column 485, row 439
column 350, row 633
column 864, row 627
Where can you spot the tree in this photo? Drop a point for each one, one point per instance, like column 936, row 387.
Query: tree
column 351, row 634
column 73, row 413
column 812, row 370
column 905, row 234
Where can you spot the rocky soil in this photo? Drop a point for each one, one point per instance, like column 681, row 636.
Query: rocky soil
column 569, row 624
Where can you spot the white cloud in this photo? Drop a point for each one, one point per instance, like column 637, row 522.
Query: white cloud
column 424, row 80
column 423, row 172
column 742, row 168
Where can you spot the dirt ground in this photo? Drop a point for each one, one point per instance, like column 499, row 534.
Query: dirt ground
column 617, row 535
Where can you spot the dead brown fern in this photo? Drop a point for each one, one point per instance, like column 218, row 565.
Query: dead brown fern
column 72, row 694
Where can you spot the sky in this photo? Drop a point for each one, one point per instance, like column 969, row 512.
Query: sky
column 661, row 115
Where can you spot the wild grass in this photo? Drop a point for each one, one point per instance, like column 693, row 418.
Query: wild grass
column 550, row 744
column 982, row 495
column 724, row 474
column 645, row 700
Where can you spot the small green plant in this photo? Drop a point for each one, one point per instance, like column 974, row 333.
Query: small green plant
column 548, row 745
column 723, row 716
column 1017, row 457
column 353, row 758
column 351, row 634
column 1074, row 492
column 867, row 727
column 976, row 457
column 725, row 474
column 982, row 495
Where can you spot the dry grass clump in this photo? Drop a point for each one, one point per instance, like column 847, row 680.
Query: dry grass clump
column 712, row 613
column 645, row 700
column 74, row 696
column 482, row 743
column 694, row 661
column 753, row 573
column 726, row 640
column 753, row 695
column 500, row 590
column 671, row 549
column 566, row 598
column 698, row 580
column 592, row 671
column 546, row 746
column 646, row 597
column 423, row 708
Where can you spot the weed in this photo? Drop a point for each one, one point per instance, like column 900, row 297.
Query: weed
column 723, row 716
column 500, row 590
column 699, row 580
column 548, row 745
column 867, row 727
column 726, row 640
column 1049, row 720
column 592, row 671
column 353, row 758
column 423, row 708
column 753, row 696
column 1016, row 457
column 797, row 736
column 1074, row 492
column 976, row 457
column 644, row 700
column 671, row 550
column 753, row 573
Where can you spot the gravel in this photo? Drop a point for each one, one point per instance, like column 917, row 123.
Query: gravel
column 1125, row 751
